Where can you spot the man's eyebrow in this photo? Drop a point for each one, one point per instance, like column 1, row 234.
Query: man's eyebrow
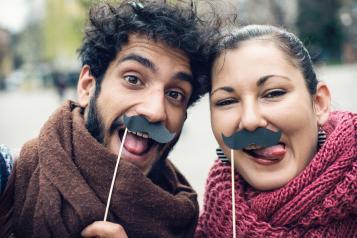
column 184, row 76
column 225, row 88
column 263, row 79
column 140, row 59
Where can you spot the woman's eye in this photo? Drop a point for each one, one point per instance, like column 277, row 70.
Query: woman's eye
column 176, row 95
column 225, row 102
column 131, row 79
column 274, row 93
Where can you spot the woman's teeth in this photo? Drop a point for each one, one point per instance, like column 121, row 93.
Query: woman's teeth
column 252, row 147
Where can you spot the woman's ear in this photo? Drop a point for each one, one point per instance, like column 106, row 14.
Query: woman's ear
column 322, row 103
column 85, row 87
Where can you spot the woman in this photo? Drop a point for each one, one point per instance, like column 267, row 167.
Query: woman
column 302, row 186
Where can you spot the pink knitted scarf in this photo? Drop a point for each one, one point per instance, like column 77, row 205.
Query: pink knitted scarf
column 319, row 202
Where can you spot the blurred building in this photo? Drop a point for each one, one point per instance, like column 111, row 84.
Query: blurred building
column 6, row 56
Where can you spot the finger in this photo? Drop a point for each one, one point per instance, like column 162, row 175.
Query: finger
column 104, row 230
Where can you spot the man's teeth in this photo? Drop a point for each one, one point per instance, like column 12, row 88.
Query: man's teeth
column 144, row 135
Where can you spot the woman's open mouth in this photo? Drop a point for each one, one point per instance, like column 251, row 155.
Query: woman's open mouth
column 268, row 155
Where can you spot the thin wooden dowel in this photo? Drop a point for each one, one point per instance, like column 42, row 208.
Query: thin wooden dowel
column 233, row 196
column 114, row 176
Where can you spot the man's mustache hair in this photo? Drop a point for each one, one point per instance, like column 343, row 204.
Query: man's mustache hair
column 261, row 137
column 156, row 131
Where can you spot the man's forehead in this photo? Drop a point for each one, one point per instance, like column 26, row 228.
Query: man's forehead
column 142, row 44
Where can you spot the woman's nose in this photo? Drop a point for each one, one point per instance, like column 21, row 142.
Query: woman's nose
column 251, row 117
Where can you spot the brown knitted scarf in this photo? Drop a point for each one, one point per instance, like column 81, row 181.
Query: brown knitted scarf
column 63, row 179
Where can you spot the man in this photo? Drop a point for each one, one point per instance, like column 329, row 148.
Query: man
column 138, row 60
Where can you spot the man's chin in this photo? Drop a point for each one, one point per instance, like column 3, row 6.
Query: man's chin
column 144, row 161
column 148, row 162
column 162, row 155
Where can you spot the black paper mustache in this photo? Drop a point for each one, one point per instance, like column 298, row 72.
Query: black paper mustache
column 156, row 131
column 261, row 137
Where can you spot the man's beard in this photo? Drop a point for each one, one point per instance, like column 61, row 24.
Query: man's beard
column 95, row 126
column 94, row 121
column 158, row 165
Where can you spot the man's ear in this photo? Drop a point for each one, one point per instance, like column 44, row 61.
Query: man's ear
column 322, row 103
column 85, row 87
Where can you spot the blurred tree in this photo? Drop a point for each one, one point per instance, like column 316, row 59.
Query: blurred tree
column 86, row 3
column 320, row 29
column 348, row 16
column 6, row 56
column 62, row 32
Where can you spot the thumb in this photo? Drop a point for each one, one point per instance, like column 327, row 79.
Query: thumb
column 104, row 229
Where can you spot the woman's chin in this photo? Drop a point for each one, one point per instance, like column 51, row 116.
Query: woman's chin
column 268, row 182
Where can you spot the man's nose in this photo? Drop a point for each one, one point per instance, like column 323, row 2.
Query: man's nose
column 153, row 106
column 251, row 116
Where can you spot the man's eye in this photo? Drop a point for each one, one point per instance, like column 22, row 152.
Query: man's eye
column 176, row 95
column 274, row 93
column 225, row 102
column 131, row 79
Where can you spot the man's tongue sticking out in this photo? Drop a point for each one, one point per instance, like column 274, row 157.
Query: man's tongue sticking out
column 135, row 144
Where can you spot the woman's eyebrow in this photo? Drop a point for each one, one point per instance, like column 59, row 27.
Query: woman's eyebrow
column 224, row 88
column 263, row 79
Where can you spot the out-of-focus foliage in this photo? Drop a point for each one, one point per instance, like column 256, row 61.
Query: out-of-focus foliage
column 62, row 30
column 320, row 29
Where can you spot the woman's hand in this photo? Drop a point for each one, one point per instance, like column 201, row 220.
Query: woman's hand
column 104, row 229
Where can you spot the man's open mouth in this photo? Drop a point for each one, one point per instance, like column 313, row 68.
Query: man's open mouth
column 269, row 153
column 137, row 143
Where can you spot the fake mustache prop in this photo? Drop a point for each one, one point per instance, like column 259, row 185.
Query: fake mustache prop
column 156, row 131
column 261, row 137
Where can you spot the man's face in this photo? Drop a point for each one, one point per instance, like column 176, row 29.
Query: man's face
column 146, row 78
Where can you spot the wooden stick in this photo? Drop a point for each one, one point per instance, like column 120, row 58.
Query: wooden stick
column 114, row 176
column 233, row 196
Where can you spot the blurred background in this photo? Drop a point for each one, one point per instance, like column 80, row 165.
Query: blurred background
column 39, row 66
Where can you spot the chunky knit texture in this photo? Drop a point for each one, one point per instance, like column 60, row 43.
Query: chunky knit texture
column 319, row 202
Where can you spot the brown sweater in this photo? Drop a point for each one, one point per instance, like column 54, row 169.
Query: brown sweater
column 62, row 183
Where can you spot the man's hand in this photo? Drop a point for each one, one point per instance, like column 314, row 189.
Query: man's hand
column 104, row 229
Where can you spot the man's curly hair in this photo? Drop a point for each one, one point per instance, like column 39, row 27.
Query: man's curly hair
column 110, row 26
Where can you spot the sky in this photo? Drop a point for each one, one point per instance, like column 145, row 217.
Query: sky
column 14, row 13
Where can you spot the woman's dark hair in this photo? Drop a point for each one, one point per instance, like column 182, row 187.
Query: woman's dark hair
column 286, row 41
column 110, row 26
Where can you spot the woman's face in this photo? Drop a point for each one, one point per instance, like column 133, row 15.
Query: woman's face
column 256, row 86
